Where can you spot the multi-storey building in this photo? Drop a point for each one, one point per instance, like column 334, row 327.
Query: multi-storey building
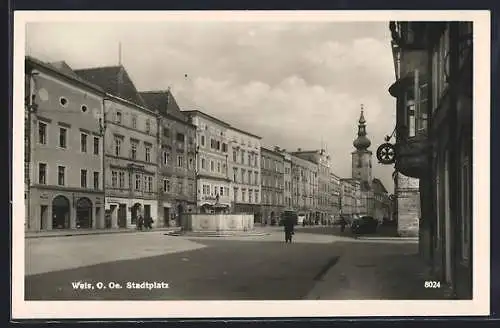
column 322, row 208
column 350, row 198
column 433, row 88
column 335, row 195
column 213, row 180
column 131, row 139
column 64, row 159
column 244, row 170
column 176, row 160
column 287, row 179
column 272, row 184
column 304, row 187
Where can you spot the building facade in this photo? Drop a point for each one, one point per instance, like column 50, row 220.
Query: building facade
column 350, row 198
column 272, row 165
column 433, row 88
column 244, row 169
column 335, row 194
column 64, row 162
column 176, row 160
column 287, row 179
column 304, row 187
column 213, row 183
column 131, row 146
column 323, row 211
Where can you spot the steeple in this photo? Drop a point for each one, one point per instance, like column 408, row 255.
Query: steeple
column 362, row 142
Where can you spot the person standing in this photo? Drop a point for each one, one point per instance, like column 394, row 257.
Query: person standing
column 288, row 225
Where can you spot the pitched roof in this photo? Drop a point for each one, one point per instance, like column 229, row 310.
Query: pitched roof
column 114, row 80
column 379, row 185
column 164, row 102
column 63, row 67
column 63, row 70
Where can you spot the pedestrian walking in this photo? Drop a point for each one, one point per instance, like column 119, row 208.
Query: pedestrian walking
column 288, row 225
column 140, row 222
column 342, row 224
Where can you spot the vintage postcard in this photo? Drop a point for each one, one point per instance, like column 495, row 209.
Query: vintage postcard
column 250, row 164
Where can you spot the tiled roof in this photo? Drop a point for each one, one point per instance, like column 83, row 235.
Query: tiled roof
column 164, row 102
column 114, row 80
column 62, row 66
column 63, row 70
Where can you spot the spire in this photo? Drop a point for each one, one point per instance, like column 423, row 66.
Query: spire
column 362, row 142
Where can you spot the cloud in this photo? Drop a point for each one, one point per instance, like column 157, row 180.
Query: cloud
column 296, row 84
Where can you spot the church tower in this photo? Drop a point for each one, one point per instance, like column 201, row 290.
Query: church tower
column 362, row 157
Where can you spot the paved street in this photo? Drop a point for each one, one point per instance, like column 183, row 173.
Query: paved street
column 316, row 266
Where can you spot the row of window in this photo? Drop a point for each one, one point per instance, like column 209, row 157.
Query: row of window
column 140, row 182
column 119, row 120
column 274, row 198
column 252, row 158
column 245, row 176
column 166, row 160
column 215, row 166
column 63, row 138
column 61, row 176
column 134, row 146
column 172, row 187
column 271, row 164
column 215, row 191
column 179, row 137
column 215, row 145
column 243, row 197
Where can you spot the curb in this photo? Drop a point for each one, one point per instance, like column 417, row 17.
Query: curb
column 389, row 238
column 214, row 234
column 96, row 232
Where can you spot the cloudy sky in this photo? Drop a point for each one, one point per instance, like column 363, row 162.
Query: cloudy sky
column 296, row 84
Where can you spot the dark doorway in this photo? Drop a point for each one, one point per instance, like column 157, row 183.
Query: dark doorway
column 135, row 212
column 122, row 216
column 180, row 211
column 43, row 217
column 60, row 213
column 147, row 211
column 98, row 217
column 166, row 216
column 84, row 213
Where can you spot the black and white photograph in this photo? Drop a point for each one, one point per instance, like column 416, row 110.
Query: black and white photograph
column 314, row 163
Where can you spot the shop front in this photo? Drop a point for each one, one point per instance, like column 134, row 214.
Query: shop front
column 52, row 209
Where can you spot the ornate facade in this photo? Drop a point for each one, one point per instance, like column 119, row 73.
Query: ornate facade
column 272, row 166
column 176, row 158
column 131, row 146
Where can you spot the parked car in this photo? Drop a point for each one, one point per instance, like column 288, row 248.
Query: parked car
column 364, row 225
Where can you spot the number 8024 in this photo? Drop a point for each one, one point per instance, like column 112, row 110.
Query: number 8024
column 432, row 284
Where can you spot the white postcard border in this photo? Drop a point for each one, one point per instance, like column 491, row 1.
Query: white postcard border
column 22, row 309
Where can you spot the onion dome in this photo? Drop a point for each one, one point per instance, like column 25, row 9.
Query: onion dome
column 362, row 142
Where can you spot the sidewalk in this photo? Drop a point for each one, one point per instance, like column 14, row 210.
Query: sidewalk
column 377, row 271
column 82, row 232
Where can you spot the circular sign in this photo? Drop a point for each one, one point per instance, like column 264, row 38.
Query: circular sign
column 386, row 153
